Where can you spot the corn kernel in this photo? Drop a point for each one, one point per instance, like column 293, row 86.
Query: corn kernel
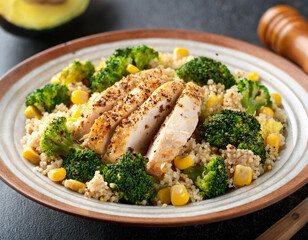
column 273, row 141
column 277, row 98
column 179, row 53
column 57, row 174
column 76, row 113
column 184, row 176
column 31, row 155
column 32, row 112
column 266, row 110
column 55, row 79
column 269, row 167
column 164, row 195
column 72, row 119
column 74, row 185
column 179, row 195
column 182, row 162
column 79, row 97
column 253, row 76
column 242, row 175
column 132, row 69
column 213, row 101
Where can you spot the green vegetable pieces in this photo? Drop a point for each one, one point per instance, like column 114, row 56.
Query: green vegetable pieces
column 56, row 139
column 254, row 95
column 81, row 165
column 236, row 128
column 139, row 56
column 77, row 71
column 201, row 69
column 211, row 179
column 48, row 97
column 130, row 178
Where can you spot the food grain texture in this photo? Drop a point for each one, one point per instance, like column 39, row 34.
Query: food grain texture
column 135, row 114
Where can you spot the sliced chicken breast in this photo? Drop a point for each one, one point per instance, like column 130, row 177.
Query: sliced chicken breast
column 104, row 126
column 106, row 100
column 137, row 131
column 176, row 129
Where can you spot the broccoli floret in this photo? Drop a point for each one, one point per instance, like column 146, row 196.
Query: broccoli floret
column 139, row 56
column 120, row 52
column 77, row 71
column 142, row 55
column 56, row 139
column 116, row 64
column 229, row 127
column 48, row 97
column 232, row 127
column 254, row 95
column 81, row 165
column 201, row 69
column 213, row 181
column 256, row 145
column 130, row 178
column 211, row 178
column 113, row 72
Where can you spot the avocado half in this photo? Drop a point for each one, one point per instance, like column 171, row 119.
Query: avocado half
column 32, row 17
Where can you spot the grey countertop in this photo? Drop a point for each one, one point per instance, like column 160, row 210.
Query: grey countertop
column 20, row 218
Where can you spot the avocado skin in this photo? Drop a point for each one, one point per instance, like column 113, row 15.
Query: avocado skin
column 47, row 32
column 24, row 32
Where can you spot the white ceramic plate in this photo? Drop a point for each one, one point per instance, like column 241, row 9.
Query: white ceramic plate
column 289, row 173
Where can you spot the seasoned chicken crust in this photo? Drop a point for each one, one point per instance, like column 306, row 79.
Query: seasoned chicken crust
column 137, row 131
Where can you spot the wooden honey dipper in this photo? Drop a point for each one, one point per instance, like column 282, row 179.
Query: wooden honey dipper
column 284, row 30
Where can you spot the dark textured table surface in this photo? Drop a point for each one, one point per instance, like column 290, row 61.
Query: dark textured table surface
column 21, row 218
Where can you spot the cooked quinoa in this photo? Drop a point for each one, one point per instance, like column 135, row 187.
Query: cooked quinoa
column 199, row 150
column 78, row 86
column 34, row 130
column 97, row 188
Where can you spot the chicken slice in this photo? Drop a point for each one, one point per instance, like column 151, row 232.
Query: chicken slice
column 137, row 131
column 107, row 99
column 176, row 129
column 104, row 126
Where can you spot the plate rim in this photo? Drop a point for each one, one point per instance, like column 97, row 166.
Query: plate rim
column 38, row 59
